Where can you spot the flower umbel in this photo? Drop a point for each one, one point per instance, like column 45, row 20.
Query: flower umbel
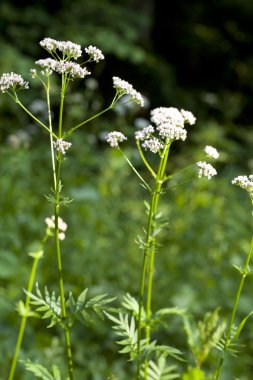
column 153, row 144
column 125, row 88
column 61, row 145
column 12, row 81
column 114, row 138
column 246, row 183
column 206, row 170
column 94, row 53
column 67, row 48
column 211, row 152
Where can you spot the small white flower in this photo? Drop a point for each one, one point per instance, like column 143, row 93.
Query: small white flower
column 188, row 117
column 211, row 152
column 125, row 88
column 145, row 133
column 67, row 48
column 206, row 170
column 171, row 132
column 12, row 81
column 61, row 145
column 153, row 144
column 73, row 69
column 244, row 182
column 94, row 53
column 169, row 115
column 114, row 138
column 62, row 226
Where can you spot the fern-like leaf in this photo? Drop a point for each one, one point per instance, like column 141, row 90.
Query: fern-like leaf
column 41, row 372
column 81, row 308
column 159, row 370
column 48, row 305
column 124, row 327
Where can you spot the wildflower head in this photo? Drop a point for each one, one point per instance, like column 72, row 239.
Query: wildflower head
column 169, row 126
column 94, row 53
column 145, row 133
column 114, row 138
column 211, row 152
column 153, row 144
column 12, row 81
column 62, row 226
column 73, row 69
column 61, row 145
column 125, row 88
column 67, row 48
column 246, row 183
column 188, row 117
column 206, row 170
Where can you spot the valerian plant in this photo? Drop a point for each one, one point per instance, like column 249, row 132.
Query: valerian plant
column 229, row 342
column 61, row 310
column 136, row 325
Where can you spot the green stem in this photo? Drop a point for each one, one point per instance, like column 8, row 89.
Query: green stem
column 63, row 90
column 245, row 272
column 86, row 121
column 35, row 118
column 36, row 257
column 60, row 276
column 136, row 172
column 144, row 159
column 149, row 254
column 51, row 129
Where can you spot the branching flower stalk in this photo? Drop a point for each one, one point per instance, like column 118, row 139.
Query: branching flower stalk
column 169, row 127
column 149, row 252
column 63, row 53
column 245, row 183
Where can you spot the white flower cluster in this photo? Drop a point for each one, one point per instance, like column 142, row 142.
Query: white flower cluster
column 145, row 133
column 169, row 124
column 211, row 152
column 244, row 182
column 61, row 145
column 125, row 88
column 12, row 81
column 73, row 69
column 94, row 53
column 171, row 132
column 172, row 116
column 114, row 138
column 67, row 48
column 206, row 170
column 62, row 226
column 153, row 144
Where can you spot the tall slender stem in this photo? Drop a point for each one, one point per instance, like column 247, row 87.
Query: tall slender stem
column 51, row 129
column 59, row 265
column 35, row 118
column 36, row 257
column 149, row 254
column 245, row 272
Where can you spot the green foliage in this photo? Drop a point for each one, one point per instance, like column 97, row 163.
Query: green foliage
column 81, row 308
column 41, row 372
column 203, row 337
column 125, row 328
column 160, row 371
column 50, row 307
column 194, row 374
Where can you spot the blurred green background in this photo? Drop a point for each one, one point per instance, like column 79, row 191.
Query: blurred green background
column 197, row 55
